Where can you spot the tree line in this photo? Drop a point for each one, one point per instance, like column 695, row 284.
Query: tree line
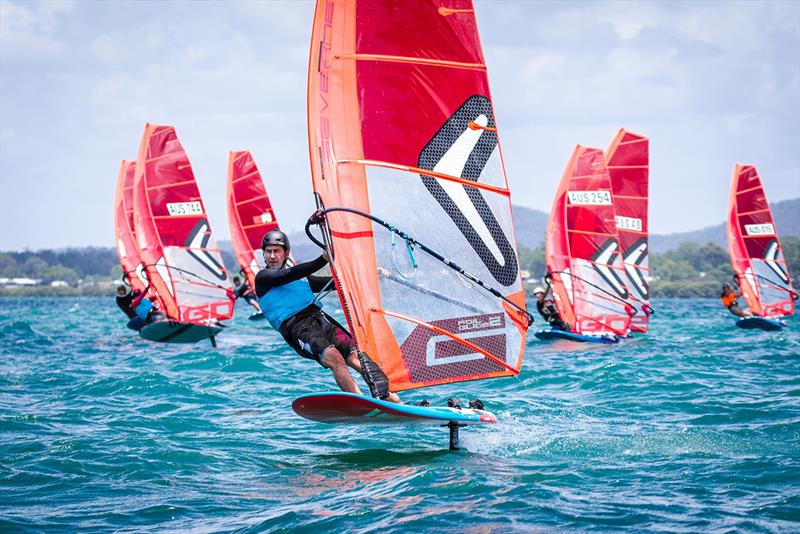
column 690, row 270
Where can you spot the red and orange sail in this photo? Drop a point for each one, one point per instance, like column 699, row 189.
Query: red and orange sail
column 182, row 260
column 628, row 166
column 582, row 250
column 127, row 247
column 755, row 248
column 401, row 126
column 250, row 213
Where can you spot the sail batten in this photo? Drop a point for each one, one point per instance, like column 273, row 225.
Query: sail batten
column 404, row 130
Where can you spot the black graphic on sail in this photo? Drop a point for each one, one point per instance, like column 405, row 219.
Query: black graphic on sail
column 461, row 148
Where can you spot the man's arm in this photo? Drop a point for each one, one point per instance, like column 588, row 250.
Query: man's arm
column 266, row 279
column 318, row 283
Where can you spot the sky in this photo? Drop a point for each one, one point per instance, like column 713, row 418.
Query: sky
column 710, row 83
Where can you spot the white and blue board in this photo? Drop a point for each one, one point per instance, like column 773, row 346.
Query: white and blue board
column 761, row 323
column 552, row 334
column 349, row 408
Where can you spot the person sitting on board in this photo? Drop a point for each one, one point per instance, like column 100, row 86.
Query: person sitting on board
column 729, row 296
column 133, row 303
column 286, row 296
column 241, row 289
column 548, row 310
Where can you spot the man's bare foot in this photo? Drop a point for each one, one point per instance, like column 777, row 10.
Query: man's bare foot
column 394, row 397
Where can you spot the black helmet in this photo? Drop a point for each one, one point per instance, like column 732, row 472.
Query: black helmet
column 275, row 237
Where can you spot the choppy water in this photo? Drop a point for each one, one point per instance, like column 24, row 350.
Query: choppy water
column 692, row 428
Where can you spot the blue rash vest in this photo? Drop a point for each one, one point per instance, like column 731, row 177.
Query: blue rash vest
column 143, row 309
column 282, row 293
column 282, row 302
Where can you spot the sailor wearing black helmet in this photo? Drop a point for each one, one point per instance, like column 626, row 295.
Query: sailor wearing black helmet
column 286, row 297
column 547, row 309
column 729, row 297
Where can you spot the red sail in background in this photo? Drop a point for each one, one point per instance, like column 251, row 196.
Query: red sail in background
column 756, row 253
column 250, row 213
column 582, row 250
column 401, row 126
column 182, row 260
column 628, row 166
column 127, row 248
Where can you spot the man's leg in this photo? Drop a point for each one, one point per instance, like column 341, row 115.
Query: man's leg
column 332, row 359
column 355, row 363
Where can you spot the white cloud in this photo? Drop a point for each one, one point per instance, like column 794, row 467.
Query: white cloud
column 26, row 29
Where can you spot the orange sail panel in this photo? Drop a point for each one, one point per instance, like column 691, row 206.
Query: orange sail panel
column 582, row 250
column 628, row 166
column 182, row 260
column 250, row 213
column 401, row 126
column 756, row 253
column 127, row 247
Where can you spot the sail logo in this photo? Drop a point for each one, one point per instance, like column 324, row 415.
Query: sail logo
column 184, row 208
column 462, row 147
column 628, row 223
column 590, row 198
column 603, row 263
column 471, row 324
column 759, row 229
column 772, row 256
column 431, row 355
column 196, row 245
column 635, row 258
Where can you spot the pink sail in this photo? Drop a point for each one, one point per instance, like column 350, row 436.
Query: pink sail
column 250, row 213
column 127, row 247
column 582, row 249
column 628, row 167
column 755, row 249
column 182, row 260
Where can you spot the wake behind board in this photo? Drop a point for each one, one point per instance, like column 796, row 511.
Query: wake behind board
column 761, row 323
column 349, row 408
column 174, row 332
column 549, row 335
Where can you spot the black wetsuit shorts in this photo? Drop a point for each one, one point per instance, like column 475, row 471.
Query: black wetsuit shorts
column 310, row 332
column 736, row 310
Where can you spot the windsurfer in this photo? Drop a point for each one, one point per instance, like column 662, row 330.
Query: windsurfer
column 729, row 296
column 133, row 303
column 547, row 309
column 241, row 289
column 286, row 296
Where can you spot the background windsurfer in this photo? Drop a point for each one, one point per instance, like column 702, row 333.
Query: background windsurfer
column 243, row 290
column 286, row 296
column 729, row 296
column 139, row 310
column 547, row 309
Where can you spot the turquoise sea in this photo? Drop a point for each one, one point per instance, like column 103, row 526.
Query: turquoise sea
column 694, row 427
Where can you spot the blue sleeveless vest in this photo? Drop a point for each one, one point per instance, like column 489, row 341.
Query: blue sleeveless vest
column 282, row 302
column 143, row 309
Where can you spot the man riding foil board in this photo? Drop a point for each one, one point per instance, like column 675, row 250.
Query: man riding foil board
column 286, row 297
